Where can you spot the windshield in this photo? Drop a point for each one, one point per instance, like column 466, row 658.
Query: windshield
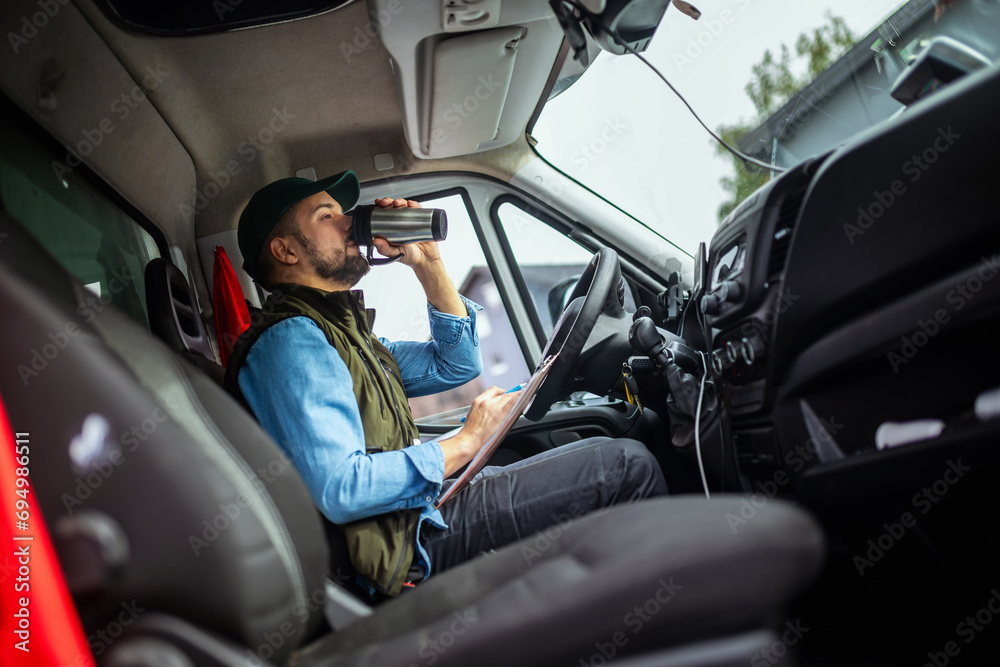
column 782, row 81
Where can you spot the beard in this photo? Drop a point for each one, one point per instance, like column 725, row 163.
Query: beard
column 337, row 265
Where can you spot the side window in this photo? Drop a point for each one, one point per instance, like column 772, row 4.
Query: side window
column 402, row 309
column 549, row 262
column 85, row 231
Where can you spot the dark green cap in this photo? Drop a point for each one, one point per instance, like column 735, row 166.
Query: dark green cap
column 269, row 203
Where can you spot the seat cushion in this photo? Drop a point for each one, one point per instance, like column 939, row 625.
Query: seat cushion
column 657, row 573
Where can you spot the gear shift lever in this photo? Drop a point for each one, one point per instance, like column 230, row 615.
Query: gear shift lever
column 647, row 339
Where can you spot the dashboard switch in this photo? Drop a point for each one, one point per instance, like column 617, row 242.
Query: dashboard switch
column 732, row 352
column 720, row 361
column 729, row 290
column 752, row 348
column 710, row 304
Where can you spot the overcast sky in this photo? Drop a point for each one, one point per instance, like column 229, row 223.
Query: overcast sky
column 622, row 132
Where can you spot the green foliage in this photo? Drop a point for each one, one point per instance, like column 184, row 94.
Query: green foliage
column 747, row 179
column 773, row 84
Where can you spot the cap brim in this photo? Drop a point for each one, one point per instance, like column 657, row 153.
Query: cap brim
column 343, row 187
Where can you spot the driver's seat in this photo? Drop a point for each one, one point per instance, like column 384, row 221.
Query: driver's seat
column 203, row 525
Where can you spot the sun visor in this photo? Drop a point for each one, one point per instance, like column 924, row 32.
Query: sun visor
column 471, row 79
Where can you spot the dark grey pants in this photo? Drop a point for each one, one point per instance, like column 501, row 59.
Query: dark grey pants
column 507, row 504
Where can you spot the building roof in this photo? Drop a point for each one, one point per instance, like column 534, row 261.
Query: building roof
column 788, row 118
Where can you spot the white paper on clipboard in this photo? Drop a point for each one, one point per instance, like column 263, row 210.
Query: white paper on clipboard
column 520, row 406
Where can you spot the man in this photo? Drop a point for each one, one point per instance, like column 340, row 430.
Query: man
column 333, row 396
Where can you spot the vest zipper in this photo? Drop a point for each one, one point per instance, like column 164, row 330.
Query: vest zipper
column 406, row 547
column 399, row 421
column 367, row 336
column 371, row 376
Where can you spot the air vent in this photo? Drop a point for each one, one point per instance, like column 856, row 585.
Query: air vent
column 787, row 215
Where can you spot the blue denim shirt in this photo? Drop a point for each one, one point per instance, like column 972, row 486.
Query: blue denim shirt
column 302, row 393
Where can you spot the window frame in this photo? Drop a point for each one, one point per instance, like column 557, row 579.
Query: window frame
column 491, row 264
column 18, row 119
column 559, row 226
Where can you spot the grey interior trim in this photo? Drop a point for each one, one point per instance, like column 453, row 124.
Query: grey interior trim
column 342, row 609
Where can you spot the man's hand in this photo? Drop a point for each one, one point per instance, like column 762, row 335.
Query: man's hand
column 413, row 254
column 425, row 260
column 488, row 410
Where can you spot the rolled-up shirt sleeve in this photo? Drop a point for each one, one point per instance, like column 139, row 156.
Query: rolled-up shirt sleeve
column 302, row 393
column 450, row 359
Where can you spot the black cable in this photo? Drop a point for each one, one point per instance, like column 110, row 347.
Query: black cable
column 628, row 47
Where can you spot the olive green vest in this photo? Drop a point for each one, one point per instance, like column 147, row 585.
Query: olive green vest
column 382, row 547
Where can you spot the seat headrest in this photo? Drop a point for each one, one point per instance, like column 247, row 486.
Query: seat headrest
column 173, row 311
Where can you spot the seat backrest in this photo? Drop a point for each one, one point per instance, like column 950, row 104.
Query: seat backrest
column 200, row 514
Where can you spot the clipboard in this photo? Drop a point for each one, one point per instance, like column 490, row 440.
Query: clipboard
column 523, row 402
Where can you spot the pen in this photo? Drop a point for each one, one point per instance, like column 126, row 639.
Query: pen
column 509, row 391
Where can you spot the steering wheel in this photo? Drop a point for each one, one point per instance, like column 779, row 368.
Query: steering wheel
column 593, row 319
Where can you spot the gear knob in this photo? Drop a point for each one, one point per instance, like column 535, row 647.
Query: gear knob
column 646, row 339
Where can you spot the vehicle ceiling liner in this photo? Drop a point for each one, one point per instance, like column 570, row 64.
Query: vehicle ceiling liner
column 178, row 18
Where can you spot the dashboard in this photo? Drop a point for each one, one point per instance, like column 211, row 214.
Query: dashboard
column 743, row 295
column 818, row 338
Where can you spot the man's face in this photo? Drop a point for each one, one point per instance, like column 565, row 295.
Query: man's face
column 324, row 236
